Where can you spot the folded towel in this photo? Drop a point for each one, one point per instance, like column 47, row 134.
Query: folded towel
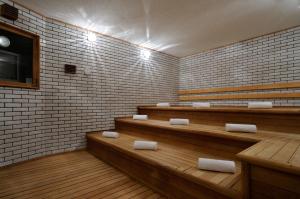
column 175, row 121
column 163, row 104
column 260, row 104
column 201, row 104
column 216, row 165
column 140, row 117
column 145, row 145
column 248, row 128
column 110, row 134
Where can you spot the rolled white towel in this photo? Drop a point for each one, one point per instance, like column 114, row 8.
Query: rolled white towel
column 201, row 104
column 260, row 104
column 110, row 134
column 145, row 145
column 216, row 165
column 248, row 128
column 140, row 117
column 163, row 104
column 176, row 121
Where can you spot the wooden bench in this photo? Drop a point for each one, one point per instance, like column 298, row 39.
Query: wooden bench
column 221, row 93
column 273, row 165
column 172, row 169
column 278, row 119
column 274, row 151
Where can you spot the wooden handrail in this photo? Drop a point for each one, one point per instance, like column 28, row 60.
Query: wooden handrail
column 241, row 88
column 240, row 96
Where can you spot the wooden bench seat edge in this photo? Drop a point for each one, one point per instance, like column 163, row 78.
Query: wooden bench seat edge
column 156, row 164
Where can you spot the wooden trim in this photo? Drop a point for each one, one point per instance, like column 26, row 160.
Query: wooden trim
column 17, row 84
column 242, row 88
column 35, row 58
column 241, row 96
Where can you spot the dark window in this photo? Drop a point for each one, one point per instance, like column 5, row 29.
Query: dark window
column 19, row 57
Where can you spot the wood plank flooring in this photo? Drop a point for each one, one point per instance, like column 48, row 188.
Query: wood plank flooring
column 70, row 175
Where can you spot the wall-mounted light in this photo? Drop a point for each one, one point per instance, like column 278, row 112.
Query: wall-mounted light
column 4, row 41
column 145, row 54
column 91, row 36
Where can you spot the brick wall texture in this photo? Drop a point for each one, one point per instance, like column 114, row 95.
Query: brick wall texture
column 267, row 59
column 111, row 81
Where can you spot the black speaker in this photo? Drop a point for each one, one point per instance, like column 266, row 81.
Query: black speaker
column 9, row 12
column 71, row 69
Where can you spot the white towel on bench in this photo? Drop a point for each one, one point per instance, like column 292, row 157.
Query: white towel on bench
column 201, row 104
column 110, row 134
column 216, row 165
column 260, row 104
column 177, row 121
column 140, row 117
column 248, row 128
column 145, row 145
column 163, row 104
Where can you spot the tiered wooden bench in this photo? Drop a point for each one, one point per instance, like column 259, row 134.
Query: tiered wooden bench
column 283, row 119
column 172, row 169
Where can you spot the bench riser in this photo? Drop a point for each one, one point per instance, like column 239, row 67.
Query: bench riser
column 272, row 184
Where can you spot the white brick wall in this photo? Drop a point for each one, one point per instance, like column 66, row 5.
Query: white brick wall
column 111, row 81
column 267, row 59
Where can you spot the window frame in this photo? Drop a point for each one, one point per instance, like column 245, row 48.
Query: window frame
column 35, row 59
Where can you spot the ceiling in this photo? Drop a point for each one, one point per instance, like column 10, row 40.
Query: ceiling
column 176, row 27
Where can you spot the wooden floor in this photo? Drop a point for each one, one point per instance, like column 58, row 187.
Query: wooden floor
column 70, row 175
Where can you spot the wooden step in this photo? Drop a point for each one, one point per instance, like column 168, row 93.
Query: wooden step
column 283, row 119
column 280, row 154
column 199, row 134
column 172, row 169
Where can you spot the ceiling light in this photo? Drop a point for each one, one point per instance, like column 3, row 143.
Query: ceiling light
column 4, row 41
column 91, row 36
column 145, row 54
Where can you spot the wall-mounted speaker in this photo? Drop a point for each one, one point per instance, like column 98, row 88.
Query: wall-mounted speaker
column 71, row 69
column 9, row 12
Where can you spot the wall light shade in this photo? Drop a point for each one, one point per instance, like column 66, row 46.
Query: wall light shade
column 91, row 36
column 145, row 54
column 4, row 41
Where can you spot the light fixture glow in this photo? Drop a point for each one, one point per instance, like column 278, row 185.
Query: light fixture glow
column 4, row 41
column 145, row 54
column 91, row 36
